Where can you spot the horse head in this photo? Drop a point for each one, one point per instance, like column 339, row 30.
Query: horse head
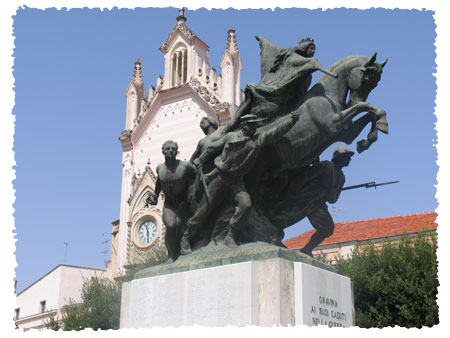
column 363, row 79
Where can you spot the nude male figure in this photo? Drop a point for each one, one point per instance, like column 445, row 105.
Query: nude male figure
column 174, row 179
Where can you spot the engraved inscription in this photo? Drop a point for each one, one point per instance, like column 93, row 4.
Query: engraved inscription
column 327, row 312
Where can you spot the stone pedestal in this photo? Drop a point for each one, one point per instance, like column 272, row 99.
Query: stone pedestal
column 255, row 284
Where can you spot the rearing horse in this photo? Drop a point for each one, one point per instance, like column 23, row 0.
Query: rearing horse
column 325, row 116
column 327, row 112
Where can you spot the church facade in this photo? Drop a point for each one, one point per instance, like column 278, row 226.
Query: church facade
column 189, row 90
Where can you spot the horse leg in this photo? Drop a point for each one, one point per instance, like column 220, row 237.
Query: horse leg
column 372, row 136
column 356, row 129
column 351, row 112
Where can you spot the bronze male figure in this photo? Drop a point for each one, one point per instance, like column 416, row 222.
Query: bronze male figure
column 174, row 179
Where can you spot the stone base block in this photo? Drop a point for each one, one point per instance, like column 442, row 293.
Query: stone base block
column 267, row 292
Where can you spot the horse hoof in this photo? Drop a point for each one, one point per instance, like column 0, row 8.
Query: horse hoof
column 361, row 146
column 383, row 127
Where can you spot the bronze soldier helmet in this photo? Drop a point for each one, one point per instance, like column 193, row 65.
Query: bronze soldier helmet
column 342, row 150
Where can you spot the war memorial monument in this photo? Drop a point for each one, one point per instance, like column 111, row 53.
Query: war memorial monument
column 225, row 210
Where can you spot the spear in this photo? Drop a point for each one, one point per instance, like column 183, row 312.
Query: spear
column 368, row 185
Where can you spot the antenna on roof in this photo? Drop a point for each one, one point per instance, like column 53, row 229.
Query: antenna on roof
column 65, row 252
column 336, row 208
column 105, row 248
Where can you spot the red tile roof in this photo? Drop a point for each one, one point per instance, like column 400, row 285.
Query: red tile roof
column 371, row 229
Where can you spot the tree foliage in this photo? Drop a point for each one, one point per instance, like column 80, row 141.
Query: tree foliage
column 395, row 284
column 99, row 308
column 100, row 298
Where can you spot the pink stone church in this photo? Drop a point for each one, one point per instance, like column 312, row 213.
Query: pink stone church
column 189, row 90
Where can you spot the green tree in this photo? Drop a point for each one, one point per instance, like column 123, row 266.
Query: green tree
column 99, row 308
column 395, row 284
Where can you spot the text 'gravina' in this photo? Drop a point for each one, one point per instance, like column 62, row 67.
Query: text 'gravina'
column 328, row 301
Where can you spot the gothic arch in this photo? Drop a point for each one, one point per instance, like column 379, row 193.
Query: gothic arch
column 178, row 64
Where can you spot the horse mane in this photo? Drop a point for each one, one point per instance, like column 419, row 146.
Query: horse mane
column 327, row 84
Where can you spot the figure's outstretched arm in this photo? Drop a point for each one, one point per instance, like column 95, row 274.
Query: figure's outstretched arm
column 310, row 65
column 214, row 149
column 243, row 109
column 278, row 129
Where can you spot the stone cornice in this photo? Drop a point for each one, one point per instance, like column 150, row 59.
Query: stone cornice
column 125, row 139
column 179, row 27
column 208, row 96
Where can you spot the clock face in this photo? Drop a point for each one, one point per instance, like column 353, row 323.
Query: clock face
column 147, row 232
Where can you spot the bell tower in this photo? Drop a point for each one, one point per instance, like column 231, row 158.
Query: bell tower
column 189, row 90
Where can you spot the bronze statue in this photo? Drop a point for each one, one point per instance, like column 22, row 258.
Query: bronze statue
column 213, row 133
column 258, row 178
column 285, row 77
column 208, row 125
column 238, row 151
column 174, row 179
column 307, row 194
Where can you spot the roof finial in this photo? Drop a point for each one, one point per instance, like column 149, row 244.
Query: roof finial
column 137, row 74
column 231, row 41
column 181, row 18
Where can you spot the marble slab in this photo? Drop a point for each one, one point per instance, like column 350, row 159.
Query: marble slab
column 266, row 292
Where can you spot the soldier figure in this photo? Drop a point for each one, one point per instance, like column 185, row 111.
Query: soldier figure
column 174, row 179
column 239, row 151
column 307, row 195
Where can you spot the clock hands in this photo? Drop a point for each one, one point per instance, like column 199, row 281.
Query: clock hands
column 147, row 232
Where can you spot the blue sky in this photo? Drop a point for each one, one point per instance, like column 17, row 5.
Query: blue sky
column 72, row 69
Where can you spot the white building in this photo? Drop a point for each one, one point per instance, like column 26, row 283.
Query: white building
column 189, row 90
column 47, row 296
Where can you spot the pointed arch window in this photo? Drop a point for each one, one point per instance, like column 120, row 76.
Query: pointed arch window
column 179, row 65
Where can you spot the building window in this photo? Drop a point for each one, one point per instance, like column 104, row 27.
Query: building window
column 17, row 313
column 42, row 306
column 179, row 66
